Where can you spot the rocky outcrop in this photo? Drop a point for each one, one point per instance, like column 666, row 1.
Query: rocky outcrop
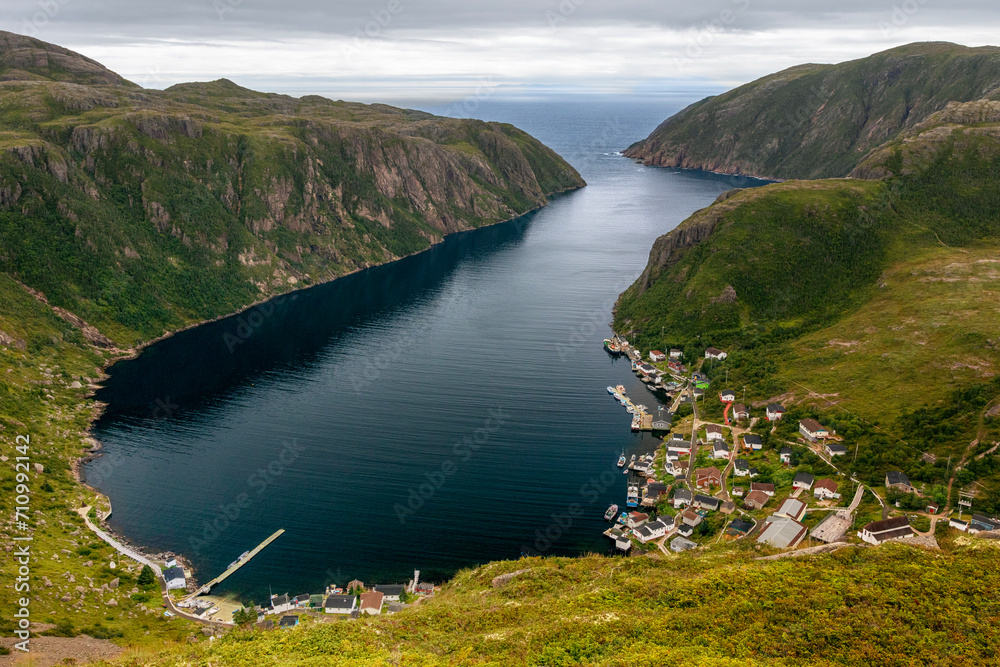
column 28, row 59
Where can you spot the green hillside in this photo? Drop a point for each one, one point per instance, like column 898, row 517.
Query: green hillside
column 819, row 121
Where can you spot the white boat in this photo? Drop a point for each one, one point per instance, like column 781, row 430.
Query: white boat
column 611, row 389
column 621, row 460
column 610, row 514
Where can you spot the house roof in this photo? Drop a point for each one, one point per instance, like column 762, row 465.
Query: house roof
column 828, row 484
column 752, row 439
column 708, row 473
column 888, row 524
column 729, row 391
column 761, row 486
column 894, row 477
column 682, row 494
column 712, row 428
column 279, row 600
column 720, row 447
column 891, row 534
column 742, row 464
column 289, row 621
column 338, row 601
column 372, row 600
column 739, row 407
column 390, row 589
column 175, row 572
column 757, row 498
column 706, row 500
column 741, row 525
column 804, row 477
column 792, row 508
column 811, row 425
column 836, row 447
column 656, row 487
column 681, row 544
column 638, row 516
column 775, row 407
column 655, row 352
column 782, row 532
column 785, row 450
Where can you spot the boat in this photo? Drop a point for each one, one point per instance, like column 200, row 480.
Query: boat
column 623, row 517
column 612, row 347
column 621, row 389
column 633, row 497
column 239, row 560
column 611, row 389
column 621, row 460
column 610, row 514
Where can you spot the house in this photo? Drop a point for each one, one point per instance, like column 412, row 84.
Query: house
column 679, row 544
column 739, row 527
column 656, row 356
column 655, row 489
column 676, row 366
column 835, row 449
column 705, row 502
column 754, row 472
column 785, row 455
column 740, row 412
column 793, row 508
column 676, row 468
column 833, row 527
column 961, row 525
column 720, row 451
column 698, row 393
column 932, row 508
column 636, row 519
column 878, row 532
column 651, row 531
column 646, row 369
column 280, row 604
column 174, row 576
column 762, row 486
column 301, row 600
column 727, row 396
column 371, row 602
column 714, row 432
column 980, row 523
column 894, row 479
column 289, row 621
column 737, row 491
column 756, row 500
column 741, row 468
column 689, row 517
column 774, row 412
column 662, row 422
column 340, row 604
column 727, row 507
column 675, row 353
column 355, row 585
column 715, row 353
column 682, row 497
column 392, row 592
column 685, row 530
column 679, row 445
column 753, row 442
column 826, row 489
column 782, row 533
column 623, row 544
column 812, row 430
column 706, row 477
column 803, row 480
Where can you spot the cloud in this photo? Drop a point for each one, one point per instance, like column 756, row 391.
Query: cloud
column 447, row 47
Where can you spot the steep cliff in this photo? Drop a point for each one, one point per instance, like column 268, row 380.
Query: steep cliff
column 140, row 210
column 819, row 121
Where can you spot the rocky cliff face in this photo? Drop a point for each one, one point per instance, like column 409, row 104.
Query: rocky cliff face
column 140, row 209
column 819, row 121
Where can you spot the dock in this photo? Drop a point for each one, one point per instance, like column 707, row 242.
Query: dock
column 235, row 566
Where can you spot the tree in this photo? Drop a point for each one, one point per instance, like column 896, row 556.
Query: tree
column 245, row 616
column 146, row 578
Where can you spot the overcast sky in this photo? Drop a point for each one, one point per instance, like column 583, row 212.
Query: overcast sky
column 447, row 49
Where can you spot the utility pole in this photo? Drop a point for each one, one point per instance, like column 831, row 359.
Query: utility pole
column 856, row 445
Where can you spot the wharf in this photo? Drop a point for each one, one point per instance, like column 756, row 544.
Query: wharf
column 237, row 565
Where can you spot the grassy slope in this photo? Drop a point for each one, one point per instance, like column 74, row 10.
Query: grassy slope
column 888, row 606
column 870, row 299
column 818, row 121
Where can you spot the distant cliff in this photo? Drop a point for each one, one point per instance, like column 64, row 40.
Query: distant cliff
column 819, row 121
column 140, row 210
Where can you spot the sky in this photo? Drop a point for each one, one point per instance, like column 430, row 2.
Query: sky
column 394, row 50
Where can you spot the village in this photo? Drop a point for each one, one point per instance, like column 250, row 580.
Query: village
column 724, row 470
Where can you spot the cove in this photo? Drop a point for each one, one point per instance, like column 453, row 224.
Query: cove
column 435, row 413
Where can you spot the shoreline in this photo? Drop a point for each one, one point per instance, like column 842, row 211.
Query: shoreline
column 98, row 407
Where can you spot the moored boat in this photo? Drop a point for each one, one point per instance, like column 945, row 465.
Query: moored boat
column 621, row 460
column 610, row 514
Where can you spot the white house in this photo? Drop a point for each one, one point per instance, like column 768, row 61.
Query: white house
column 340, row 604
column 785, row 455
column 812, row 430
column 675, row 353
column 390, row 591
column 740, row 412
column 280, row 604
column 835, row 449
column 753, row 442
column 895, row 479
column 956, row 523
column 741, row 468
column 793, row 508
column 803, row 480
column 681, row 544
column 727, row 396
column 174, row 576
column 714, row 432
column 636, row 519
column 878, row 532
column 371, row 602
column 774, row 412
column 720, row 451
column 682, row 497
column 651, row 531
column 676, row 468
column 826, row 489
column 656, row 356
column 715, row 353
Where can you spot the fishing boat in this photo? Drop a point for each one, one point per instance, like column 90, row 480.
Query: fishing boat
column 620, row 389
column 610, row 514
column 621, row 460
column 633, row 497
column 611, row 390
column 612, row 347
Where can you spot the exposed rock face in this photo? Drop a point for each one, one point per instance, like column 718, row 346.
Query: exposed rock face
column 27, row 59
column 819, row 121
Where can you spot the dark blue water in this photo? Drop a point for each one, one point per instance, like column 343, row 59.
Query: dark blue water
column 443, row 411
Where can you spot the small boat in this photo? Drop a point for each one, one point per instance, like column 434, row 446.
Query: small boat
column 633, row 497
column 621, row 460
column 611, row 390
column 621, row 389
column 612, row 347
column 239, row 560
column 623, row 517
column 610, row 514
column 633, row 458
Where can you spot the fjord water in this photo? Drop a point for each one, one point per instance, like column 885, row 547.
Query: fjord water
column 436, row 413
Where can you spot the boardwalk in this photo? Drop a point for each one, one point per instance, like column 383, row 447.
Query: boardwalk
column 121, row 548
column 243, row 561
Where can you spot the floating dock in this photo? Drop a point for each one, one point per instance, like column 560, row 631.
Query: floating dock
column 237, row 565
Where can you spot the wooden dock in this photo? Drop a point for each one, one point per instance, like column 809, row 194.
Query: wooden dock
column 256, row 550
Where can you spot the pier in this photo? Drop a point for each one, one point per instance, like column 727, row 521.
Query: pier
column 237, row 565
